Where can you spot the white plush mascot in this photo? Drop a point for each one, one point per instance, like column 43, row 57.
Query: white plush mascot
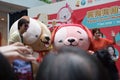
column 37, row 36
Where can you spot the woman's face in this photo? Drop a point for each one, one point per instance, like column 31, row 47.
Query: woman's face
column 97, row 34
column 111, row 50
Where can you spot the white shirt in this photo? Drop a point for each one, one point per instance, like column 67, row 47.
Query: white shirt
column 15, row 37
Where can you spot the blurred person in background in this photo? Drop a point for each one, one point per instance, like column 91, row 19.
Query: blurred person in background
column 71, row 63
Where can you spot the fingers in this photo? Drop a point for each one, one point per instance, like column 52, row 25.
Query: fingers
column 18, row 44
column 11, row 56
column 14, row 47
column 20, row 47
column 17, row 51
column 90, row 52
column 8, row 48
column 26, row 58
column 113, row 33
column 24, row 50
column 25, row 53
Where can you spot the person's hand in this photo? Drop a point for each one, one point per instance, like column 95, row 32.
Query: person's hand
column 90, row 52
column 112, row 33
column 17, row 51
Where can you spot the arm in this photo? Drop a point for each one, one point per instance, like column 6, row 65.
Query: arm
column 14, row 37
column 113, row 37
column 17, row 51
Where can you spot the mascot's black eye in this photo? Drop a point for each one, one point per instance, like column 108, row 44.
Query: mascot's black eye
column 60, row 41
column 36, row 36
column 79, row 32
column 81, row 39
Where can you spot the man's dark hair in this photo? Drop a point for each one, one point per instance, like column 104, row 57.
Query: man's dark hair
column 21, row 22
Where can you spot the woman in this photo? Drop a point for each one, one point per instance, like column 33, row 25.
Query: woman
column 105, row 58
column 111, row 51
column 99, row 42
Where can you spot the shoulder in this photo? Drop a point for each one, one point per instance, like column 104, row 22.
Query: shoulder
column 105, row 39
column 14, row 36
column 16, row 33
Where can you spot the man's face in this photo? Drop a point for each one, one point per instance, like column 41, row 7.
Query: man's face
column 25, row 27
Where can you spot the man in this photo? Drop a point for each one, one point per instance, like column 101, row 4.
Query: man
column 17, row 36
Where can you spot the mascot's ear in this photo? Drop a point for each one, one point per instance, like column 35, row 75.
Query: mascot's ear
column 90, row 36
column 54, row 32
column 88, row 32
